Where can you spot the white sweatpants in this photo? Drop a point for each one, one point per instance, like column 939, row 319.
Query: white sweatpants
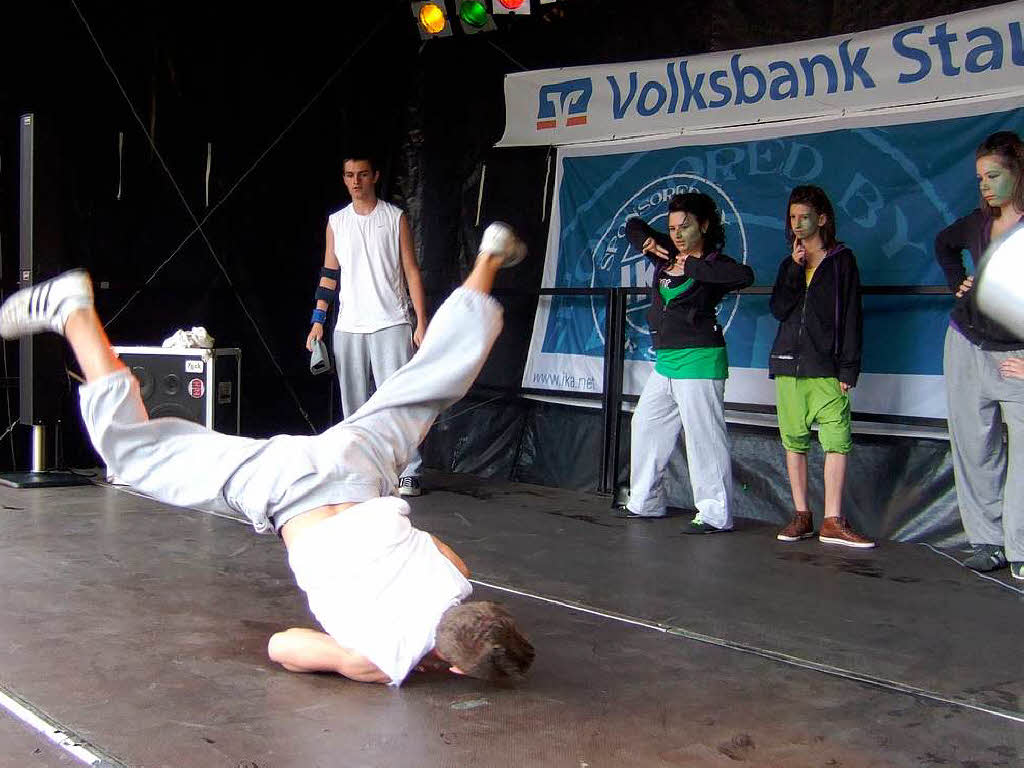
column 271, row 481
column 360, row 358
column 697, row 407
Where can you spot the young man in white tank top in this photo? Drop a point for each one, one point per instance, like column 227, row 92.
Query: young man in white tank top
column 370, row 264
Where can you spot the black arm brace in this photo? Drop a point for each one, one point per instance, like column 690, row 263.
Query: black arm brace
column 326, row 294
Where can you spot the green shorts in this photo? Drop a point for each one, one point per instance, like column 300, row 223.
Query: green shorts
column 803, row 401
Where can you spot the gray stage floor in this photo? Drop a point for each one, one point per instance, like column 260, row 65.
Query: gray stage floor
column 140, row 630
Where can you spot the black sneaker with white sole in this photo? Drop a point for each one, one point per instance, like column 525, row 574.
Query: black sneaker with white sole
column 697, row 527
column 409, row 486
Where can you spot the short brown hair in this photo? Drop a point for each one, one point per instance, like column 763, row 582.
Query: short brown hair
column 481, row 639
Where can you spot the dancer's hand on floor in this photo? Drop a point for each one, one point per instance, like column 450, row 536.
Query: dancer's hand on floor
column 1012, row 368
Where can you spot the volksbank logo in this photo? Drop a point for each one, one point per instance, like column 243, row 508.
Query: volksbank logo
column 567, row 101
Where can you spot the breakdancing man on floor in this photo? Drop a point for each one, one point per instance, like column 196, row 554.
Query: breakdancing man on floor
column 388, row 595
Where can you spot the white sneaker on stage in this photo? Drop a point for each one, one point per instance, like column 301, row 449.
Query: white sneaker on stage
column 45, row 306
column 500, row 239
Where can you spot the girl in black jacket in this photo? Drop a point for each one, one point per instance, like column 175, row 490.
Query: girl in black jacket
column 687, row 387
column 983, row 368
column 815, row 359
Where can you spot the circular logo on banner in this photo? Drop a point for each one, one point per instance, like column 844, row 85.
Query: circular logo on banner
column 196, row 388
column 617, row 262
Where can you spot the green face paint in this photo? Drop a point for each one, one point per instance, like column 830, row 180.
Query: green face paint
column 804, row 221
column 995, row 181
column 685, row 231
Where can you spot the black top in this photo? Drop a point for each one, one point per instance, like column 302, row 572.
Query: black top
column 690, row 319
column 820, row 325
column 972, row 233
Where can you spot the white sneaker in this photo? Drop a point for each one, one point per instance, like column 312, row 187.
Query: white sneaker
column 500, row 239
column 45, row 306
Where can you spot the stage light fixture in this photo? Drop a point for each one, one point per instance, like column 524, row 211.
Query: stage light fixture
column 516, row 7
column 431, row 19
column 474, row 17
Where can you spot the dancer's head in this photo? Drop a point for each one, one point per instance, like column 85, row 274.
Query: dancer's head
column 694, row 223
column 360, row 175
column 809, row 214
column 480, row 639
column 1000, row 166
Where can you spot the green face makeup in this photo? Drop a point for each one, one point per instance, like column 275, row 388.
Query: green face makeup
column 684, row 229
column 804, row 221
column 995, row 181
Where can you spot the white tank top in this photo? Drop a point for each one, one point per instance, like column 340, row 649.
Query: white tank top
column 371, row 287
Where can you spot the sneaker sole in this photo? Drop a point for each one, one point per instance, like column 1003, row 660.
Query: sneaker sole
column 780, row 537
column 845, row 543
column 404, row 492
column 705, row 531
column 987, row 568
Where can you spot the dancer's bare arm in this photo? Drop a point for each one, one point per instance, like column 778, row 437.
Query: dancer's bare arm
column 450, row 554
column 413, row 278
column 306, row 650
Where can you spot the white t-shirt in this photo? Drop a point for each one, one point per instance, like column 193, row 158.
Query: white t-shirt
column 376, row 584
column 371, row 286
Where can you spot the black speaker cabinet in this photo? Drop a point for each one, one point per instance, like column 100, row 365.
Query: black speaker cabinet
column 43, row 201
column 200, row 385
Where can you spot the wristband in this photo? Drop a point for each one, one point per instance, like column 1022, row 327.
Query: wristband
column 319, row 316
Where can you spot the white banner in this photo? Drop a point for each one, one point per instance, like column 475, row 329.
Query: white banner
column 974, row 53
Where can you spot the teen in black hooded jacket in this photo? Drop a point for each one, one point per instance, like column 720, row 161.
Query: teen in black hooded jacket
column 815, row 360
column 686, row 390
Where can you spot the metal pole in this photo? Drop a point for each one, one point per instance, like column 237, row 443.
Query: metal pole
column 38, row 448
column 618, row 369
column 607, row 376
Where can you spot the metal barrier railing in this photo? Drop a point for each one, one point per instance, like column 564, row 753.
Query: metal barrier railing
column 611, row 395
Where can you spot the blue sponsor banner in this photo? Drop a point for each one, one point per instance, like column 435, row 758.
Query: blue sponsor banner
column 893, row 189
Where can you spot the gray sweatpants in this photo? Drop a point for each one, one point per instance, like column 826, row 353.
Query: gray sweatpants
column 989, row 473
column 697, row 407
column 360, row 358
column 271, row 481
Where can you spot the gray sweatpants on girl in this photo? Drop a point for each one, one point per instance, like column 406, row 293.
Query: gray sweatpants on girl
column 360, row 357
column 697, row 407
column 271, row 481
column 989, row 473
